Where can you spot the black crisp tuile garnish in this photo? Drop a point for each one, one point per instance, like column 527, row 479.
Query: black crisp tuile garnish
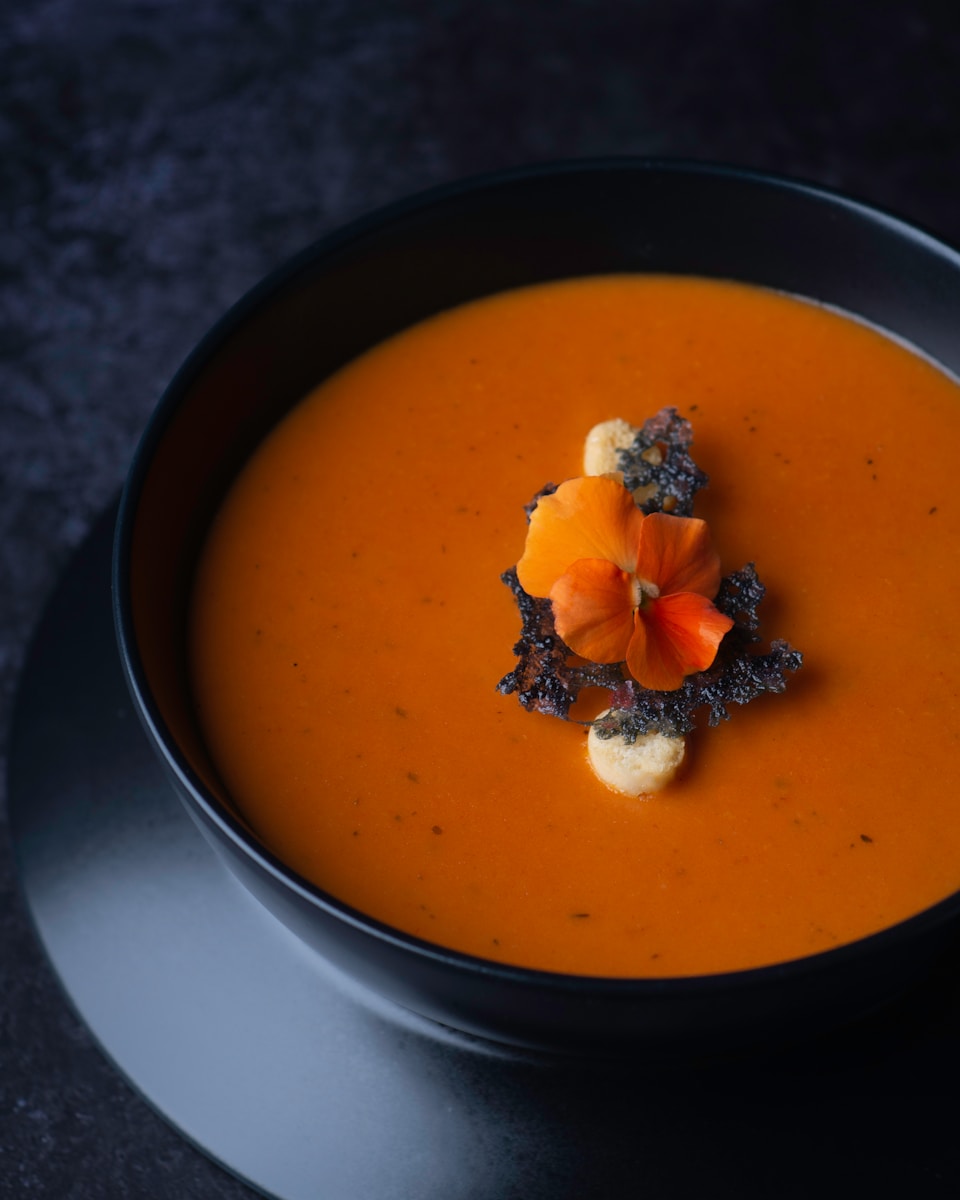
column 548, row 678
column 546, row 681
column 659, row 459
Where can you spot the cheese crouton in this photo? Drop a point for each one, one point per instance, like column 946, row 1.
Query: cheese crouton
column 636, row 768
column 602, row 443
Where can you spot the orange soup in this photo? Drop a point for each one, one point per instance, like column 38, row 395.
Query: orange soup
column 349, row 629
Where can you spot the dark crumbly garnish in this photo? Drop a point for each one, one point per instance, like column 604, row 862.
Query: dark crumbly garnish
column 659, row 459
column 549, row 678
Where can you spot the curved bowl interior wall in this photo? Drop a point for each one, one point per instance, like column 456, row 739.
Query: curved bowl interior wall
column 380, row 275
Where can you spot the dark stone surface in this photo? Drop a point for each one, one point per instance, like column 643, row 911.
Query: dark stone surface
column 156, row 159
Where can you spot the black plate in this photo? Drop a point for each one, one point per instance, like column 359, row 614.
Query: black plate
column 304, row 1085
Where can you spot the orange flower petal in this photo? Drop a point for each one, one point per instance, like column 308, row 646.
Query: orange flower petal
column 675, row 636
column 589, row 518
column 651, row 661
column 593, row 609
column 677, row 555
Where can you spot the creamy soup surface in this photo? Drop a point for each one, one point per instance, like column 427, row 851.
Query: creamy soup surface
column 349, row 628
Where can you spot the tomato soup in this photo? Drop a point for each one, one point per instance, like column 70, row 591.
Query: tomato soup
column 349, row 629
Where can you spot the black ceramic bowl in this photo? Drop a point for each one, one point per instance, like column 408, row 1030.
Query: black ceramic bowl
column 374, row 278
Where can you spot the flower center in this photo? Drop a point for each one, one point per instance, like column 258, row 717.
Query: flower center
column 642, row 591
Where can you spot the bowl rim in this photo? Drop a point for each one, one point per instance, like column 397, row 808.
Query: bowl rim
column 233, row 830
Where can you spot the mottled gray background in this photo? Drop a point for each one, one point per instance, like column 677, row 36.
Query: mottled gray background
column 157, row 158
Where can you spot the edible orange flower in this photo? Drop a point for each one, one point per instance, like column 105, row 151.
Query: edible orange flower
column 625, row 586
